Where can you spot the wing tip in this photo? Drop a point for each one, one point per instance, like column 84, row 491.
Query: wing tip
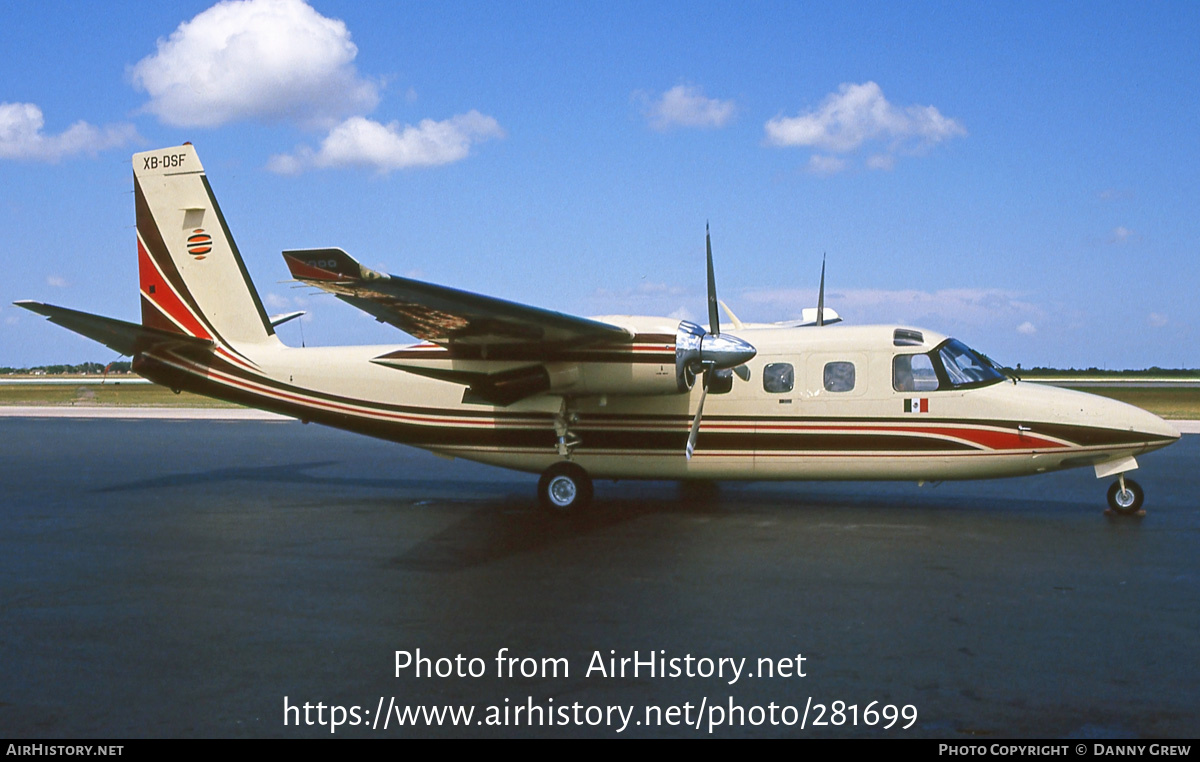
column 40, row 308
column 306, row 271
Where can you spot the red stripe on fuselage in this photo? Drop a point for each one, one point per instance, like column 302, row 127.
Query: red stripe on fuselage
column 989, row 438
column 158, row 290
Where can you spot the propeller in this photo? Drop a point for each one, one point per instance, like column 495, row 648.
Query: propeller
column 710, row 352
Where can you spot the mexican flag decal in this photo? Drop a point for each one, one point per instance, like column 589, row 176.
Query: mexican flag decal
column 918, row 405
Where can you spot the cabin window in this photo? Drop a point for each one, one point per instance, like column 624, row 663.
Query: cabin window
column 907, row 337
column 779, row 377
column 839, row 376
column 913, row 373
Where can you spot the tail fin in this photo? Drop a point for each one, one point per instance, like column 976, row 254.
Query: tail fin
column 193, row 279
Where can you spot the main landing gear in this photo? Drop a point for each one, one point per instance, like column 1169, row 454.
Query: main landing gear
column 1125, row 497
column 565, row 488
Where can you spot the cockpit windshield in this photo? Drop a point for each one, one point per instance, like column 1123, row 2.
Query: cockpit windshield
column 952, row 365
column 964, row 367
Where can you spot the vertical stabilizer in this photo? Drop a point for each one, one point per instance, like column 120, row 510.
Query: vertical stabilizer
column 193, row 279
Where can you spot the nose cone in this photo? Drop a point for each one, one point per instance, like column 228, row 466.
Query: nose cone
column 1093, row 420
column 1152, row 430
column 1156, row 427
column 726, row 351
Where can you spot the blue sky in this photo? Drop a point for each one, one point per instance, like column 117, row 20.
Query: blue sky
column 1025, row 177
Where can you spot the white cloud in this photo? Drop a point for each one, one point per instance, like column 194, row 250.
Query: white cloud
column 21, row 135
column 820, row 164
column 646, row 298
column 361, row 142
column 962, row 312
column 881, row 161
column 946, row 308
column 859, row 114
column 267, row 60
column 1157, row 319
column 685, row 106
column 288, row 164
column 276, row 302
column 1121, row 234
column 57, row 281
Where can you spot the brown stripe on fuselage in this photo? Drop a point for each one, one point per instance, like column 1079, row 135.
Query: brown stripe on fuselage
column 481, row 415
column 1076, row 435
column 631, row 440
column 396, row 431
column 512, row 430
column 1095, row 436
column 657, row 349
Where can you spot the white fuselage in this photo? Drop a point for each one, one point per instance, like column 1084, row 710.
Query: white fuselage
column 870, row 431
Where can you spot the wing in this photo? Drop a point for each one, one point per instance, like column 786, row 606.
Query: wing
column 442, row 315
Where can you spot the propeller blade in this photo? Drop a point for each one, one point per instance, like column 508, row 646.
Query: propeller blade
column 821, row 295
column 691, row 442
column 714, row 322
column 742, row 372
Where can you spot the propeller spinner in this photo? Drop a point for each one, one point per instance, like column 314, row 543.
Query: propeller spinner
column 698, row 351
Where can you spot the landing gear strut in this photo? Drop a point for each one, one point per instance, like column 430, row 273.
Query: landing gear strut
column 565, row 488
column 562, row 427
column 1125, row 497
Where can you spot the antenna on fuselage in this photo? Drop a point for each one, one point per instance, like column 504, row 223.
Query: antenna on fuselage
column 821, row 294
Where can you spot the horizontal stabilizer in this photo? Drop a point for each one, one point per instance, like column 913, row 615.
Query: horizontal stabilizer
column 126, row 338
column 278, row 320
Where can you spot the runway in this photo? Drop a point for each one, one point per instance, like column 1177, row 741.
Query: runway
column 185, row 578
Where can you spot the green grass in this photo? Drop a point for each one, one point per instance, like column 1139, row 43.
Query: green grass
column 1180, row 403
column 103, row 395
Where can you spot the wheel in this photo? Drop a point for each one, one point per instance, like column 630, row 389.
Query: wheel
column 565, row 488
column 1127, row 501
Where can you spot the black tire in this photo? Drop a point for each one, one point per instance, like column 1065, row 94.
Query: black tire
column 565, row 488
column 1130, row 502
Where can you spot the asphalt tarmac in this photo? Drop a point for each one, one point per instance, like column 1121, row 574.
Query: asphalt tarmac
column 198, row 578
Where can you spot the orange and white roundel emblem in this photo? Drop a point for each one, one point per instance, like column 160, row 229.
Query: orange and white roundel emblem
column 199, row 243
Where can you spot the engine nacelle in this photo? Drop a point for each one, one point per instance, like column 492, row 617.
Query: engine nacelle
column 644, row 367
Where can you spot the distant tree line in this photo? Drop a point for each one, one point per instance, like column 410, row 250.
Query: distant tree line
column 1152, row 371
column 87, row 368
column 122, row 366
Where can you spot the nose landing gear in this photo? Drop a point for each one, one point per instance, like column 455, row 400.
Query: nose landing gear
column 1125, row 497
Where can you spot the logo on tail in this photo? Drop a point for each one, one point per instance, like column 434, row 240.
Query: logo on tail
column 199, row 243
